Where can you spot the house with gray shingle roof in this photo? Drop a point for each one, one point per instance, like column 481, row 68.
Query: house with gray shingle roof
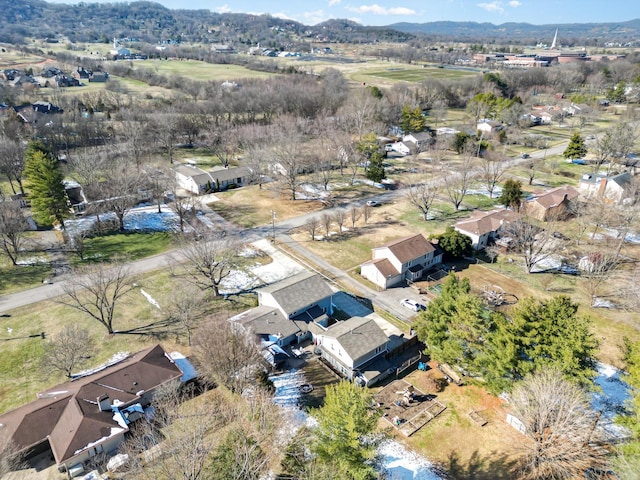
column 352, row 345
column 197, row 181
column 404, row 259
column 289, row 311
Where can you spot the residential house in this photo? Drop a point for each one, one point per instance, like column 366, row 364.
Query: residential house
column 419, row 141
column 289, row 311
column 82, row 73
column 225, row 178
column 552, row 204
column 611, row 189
column 401, row 260
column 77, row 200
column 304, row 298
column 489, row 126
column 483, row 227
column 198, row 181
column 89, row 415
column 398, row 147
column 353, row 346
column 99, row 77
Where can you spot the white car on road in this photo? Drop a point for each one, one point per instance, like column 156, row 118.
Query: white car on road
column 412, row 304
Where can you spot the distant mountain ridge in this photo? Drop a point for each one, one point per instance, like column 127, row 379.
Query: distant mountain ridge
column 628, row 31
column 152, row 22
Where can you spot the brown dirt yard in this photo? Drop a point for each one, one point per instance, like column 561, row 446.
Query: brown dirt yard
column 457, row 443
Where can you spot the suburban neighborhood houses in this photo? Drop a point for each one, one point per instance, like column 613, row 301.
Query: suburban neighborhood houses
column 235, row 246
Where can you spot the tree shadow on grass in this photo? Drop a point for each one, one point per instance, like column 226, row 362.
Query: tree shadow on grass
column 494, row 466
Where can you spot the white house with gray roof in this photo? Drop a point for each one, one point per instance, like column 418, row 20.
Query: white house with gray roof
column 197, row 181
column 351, row 346
column 289, row 311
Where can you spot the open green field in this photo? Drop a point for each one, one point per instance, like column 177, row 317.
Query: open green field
column 202, row 71
column 419, row 74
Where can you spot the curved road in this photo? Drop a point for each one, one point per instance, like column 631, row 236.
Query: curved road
column 50, row 291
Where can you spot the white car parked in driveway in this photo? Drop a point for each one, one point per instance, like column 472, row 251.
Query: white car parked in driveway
column 412, row 304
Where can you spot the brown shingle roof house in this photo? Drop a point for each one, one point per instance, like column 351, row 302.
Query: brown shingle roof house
column 403, row 259
column 482, row 227
column 89, row 415
column 551, row 204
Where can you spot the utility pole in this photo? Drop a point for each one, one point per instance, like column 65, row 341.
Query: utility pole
column 273, row 226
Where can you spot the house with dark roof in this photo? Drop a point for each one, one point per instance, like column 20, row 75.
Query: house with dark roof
column 289, row 311
column 610, row 189
column 483, row 227
column 401, row 260
column 352, row 347
column 89, row 415
column 551, row 204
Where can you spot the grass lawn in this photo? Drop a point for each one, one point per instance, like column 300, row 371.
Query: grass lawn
column 465, row 449
column 131, row 245
column 201, row 71
column 20, row 360
column 400, row 74
column 21, row 277
column 251, row 206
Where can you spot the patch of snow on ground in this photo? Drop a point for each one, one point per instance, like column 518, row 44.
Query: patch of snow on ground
column 150, row 299
column 237, row 281
column 287, row 386
column 309, row 191
column 141, row 219
column 602, row 303
column 402, row 464
column 398, row 462
column 33, row 261
column 611, row 400
column 482, row 190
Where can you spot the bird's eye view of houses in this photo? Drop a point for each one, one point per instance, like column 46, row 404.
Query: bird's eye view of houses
column 332, row 240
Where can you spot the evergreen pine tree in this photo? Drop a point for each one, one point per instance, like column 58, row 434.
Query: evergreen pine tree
column 576, row 147
column 47, row 195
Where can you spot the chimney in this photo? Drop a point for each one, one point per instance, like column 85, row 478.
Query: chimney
column 104, row 404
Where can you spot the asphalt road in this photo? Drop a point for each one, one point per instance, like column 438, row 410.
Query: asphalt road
column 281, row 230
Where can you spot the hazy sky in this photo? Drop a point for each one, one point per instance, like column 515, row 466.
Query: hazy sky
column 384, row 12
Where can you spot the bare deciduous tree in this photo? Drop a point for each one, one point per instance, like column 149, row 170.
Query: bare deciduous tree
column 339, row 218
column 422, row 197
column 12, row 162
column 532, row 242
column 366, row 213
column 187, row 308
column 10, row 457
column 354, row 215
column 209, row 260
column 13, row 227
column 312, row 227
column 457, row 184
column 67, row 350
column 492, row 171
column 326, row 223
column 227, row 357
column 121, row 189
column 286, row 155
column 562, row 438
column 178, row 442
column 96, row 290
